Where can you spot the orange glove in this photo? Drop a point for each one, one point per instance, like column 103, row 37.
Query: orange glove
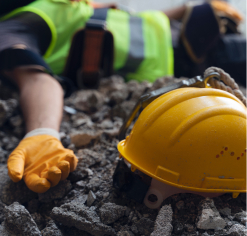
column 42, row 161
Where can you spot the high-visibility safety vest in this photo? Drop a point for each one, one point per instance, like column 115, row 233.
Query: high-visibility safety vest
column 142, row 41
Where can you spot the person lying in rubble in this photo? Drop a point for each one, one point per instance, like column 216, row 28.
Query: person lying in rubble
column 34, row 44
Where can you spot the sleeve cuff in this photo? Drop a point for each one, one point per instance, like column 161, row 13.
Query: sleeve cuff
column 40, row 131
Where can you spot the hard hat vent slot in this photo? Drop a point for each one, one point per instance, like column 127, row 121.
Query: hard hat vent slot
column 152, row 198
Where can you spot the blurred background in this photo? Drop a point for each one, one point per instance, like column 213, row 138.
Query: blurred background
column 141, row 5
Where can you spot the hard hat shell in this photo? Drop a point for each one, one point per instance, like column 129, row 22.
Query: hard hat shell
column 191, row 138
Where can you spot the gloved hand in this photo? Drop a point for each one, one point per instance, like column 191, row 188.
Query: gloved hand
column 42, row 161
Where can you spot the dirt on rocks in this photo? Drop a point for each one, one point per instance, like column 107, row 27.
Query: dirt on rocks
column 87, row 203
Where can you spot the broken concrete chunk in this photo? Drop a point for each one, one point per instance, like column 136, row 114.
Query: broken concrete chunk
column 84, row 137
column 7, row 108
column 81, row 119
column 210, row 217
column 116, row 97
column 225, row 211
column 163, row 226
column 57, row 192
column 125, row 233
column 88, row 158
column 19, row 221
column 94, row 183
column 110, row 212
column 9, row 143
column 11, row 192
column 90, row 198
column 114, row 83
column 145, row 226
column 88, row 100
column 2, row 206
column 81, row 217
column 241, row 217
column 123, row 109
column 51, row 230
column 237, row 230
column 4, row 231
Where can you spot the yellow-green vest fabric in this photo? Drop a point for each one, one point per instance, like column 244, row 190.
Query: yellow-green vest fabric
column 65, row 18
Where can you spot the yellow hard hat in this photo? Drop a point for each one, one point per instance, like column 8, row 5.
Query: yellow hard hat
column 193, row 139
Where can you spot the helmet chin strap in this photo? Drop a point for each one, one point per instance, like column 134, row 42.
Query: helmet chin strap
column 159, row 191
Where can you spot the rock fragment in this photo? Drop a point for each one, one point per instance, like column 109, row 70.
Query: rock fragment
column 237, row 230
column 210, row 217
column 225, row 211
column 81, row 217
column 94, row 183
column 241, row 217
column 7, row 108
column 19, row 221
column 114, row 83
column 88, row 158
column 145, row 226
column 81, row 119
column 57, row 192
column 123, row 109
column 4, row 231
column 125, row 233
column 51, row 230
column 90, row 198
column 110, row 212
column 88, row 100
column 39, row 220
column 83, row 137
column 178, row 228
column 2, row 206
column 163, row 226
column 11, row 192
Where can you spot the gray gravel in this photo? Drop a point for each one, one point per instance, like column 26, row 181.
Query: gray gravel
column 86, row 203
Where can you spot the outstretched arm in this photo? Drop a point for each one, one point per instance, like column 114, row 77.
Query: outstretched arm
column 41, row 98
column 40, row 158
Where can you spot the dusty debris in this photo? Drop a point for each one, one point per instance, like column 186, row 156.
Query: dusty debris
column 57, row 192
column 210, row 217
column 88, row 100
column 225, row 211
column 111, row 212
column 125, row 233
column 163, row 226
column 2, row 206
column 123, row 109
column 241, row 217
column 7, row 107
column 11, row 192
column 81, row 217
column 51, row 230
column 237, row 230
column 19, row 221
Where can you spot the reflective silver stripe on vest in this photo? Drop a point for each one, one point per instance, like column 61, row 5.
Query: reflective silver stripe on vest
column 136, row 48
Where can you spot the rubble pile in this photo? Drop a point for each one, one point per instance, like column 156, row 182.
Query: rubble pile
column 86, row 203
